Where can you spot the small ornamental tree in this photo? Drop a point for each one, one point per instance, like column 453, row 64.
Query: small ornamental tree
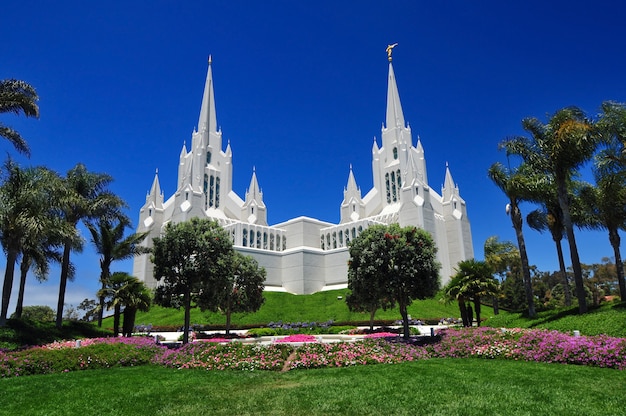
column 399, row 265
column 366, row 274
column 191, row 260
column 242, row 289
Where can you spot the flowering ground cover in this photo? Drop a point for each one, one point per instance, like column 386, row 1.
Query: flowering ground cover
column 303, row 352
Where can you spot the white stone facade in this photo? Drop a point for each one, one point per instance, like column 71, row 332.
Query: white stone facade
column 305, row 255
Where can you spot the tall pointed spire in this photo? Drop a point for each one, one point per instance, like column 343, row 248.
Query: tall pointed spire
column 155, row 195
column 395, row 117
column 254, row 192
column 208, row 119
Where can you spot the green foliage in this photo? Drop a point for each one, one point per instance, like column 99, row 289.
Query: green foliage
column 192, row 261
column 37, row 313
column 242, row 291
column 19, row 333
column 17, row 97
column 391, row 265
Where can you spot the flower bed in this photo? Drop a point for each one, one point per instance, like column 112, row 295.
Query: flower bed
column 489, row 343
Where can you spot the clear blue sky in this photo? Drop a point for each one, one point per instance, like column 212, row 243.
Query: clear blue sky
column 300, row 91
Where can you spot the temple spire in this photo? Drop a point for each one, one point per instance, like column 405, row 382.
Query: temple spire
column 395, row 117
column 208, row 119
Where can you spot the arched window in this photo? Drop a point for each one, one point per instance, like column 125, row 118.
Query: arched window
column 264, row 241
column 353, row 233
column 272, row 241
column 393, row 187
column 245, row 237
column 328, row 241
column 150, row 212
column 334, row 239
column 208, row 157
column 211, row 189
column 217, row 192
column 284, row 243
column 258, row 239
column 322, row 242
column 340, row 238
column 399, row 180
column 388, row 188
column 395, row 152
column 205, row 187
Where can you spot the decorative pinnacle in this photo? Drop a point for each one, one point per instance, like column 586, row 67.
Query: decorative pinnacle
column 210, row 59
column 390, row 49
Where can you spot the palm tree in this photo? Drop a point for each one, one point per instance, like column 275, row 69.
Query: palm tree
column 557, row 149
column 517, row 185
column 473, row 280
column 452, row 292
column 124, row 290
column 27, row 203
column 17, row 97
column 107, row 235
column 135, row 296
column 85, row 197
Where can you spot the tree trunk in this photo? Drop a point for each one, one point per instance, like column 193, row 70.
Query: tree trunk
column 187, row 301
column 24, row 266
column 463, row 311
column 477, row 309
column 573, row 249
column 496, row 306
column 101, row 308
column 129, row 321
column 228, row 322
column 105, row 266
column 372, row 315
column 65, row 270
column 116, row 319
column 8, row 286
column 619, row 267
column 516, row 218
column 405, row 319
column 566, row 290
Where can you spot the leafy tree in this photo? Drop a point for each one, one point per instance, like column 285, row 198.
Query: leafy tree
column 473, row 281
column 85, row 197
column 405, row 260
column 367, row 274
column 17, row 97
column 27, row 202
column 90, row 308
column 107, row 236
column 557, row 149
column 39, row 313
column 242, row 290
column 503, row 257
column 191, row 258
column 518, row 185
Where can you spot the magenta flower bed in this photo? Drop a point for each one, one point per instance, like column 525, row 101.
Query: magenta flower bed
column 297, row 338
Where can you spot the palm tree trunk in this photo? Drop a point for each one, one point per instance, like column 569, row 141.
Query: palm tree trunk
column 116, row 319
column 129, row 321
column 372, row 315
column 8, row 286
column 619, row 267
column 516, row 218
column 24, row 266
column 463, row 311
column 477, row 309
column 101, row 307
column 573, row 249
column 65, row 270
column 566, row 290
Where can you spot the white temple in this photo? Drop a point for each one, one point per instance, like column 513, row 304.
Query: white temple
column 306, row 255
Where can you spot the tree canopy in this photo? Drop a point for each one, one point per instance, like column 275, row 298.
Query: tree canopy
column 192, row 260
column 396, row 265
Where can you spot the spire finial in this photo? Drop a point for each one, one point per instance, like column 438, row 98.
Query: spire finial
column 390, row 49
column 210, row 59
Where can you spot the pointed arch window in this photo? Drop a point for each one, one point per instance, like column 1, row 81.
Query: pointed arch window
column 208, row 157
column 272, row 241
column 395, row 153
column 264, row 241
column 217, row 192
column 245, row 237
column 394, row 195
column 340, row 238
column 205, row 187
column 322, row 243
column 211, row 190
column 399, row 180
column 388, row 188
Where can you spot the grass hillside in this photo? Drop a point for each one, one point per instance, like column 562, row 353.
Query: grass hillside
column 607, row 319
column 318, row 307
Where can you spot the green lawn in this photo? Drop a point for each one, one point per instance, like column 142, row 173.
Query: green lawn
column 318, row 307
column 432, row 387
